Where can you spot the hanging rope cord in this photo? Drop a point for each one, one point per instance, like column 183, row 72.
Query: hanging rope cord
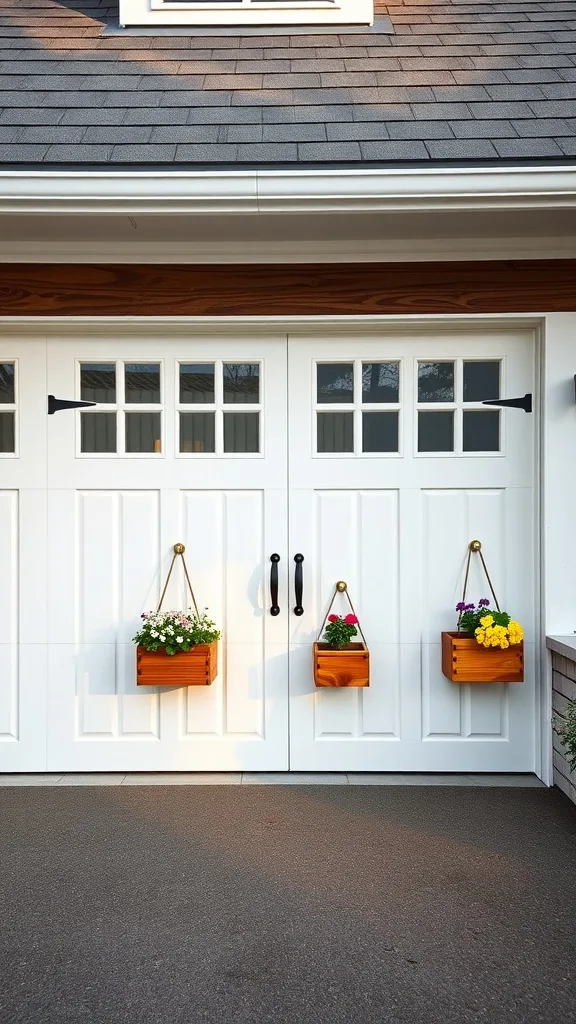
column 472, row 550
column 178, row 554
column 330, row 606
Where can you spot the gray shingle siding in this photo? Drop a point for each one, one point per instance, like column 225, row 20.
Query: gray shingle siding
column 454, row 82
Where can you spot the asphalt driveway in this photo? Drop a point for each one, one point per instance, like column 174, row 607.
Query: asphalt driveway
column 293, row 905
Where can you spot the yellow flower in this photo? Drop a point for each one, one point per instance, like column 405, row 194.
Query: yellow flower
column 490, row 635
column 515, row 632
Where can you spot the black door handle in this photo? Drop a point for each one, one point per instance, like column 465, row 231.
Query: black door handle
column 275, row 609
column 298, row 584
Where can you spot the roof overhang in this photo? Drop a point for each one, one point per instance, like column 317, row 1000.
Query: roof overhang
column 287, row 191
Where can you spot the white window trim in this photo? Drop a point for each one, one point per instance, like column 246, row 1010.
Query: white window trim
column 246, row 12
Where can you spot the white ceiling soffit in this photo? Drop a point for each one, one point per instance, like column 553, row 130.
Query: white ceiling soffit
column 290, row 191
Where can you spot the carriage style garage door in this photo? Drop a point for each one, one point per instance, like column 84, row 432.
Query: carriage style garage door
column 371, row 456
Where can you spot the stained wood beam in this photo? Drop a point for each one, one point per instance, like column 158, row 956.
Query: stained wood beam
column 522, row 286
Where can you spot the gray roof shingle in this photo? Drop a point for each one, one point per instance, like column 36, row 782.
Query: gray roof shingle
column 479, row 80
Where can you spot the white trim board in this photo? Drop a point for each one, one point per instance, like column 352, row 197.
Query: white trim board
column 298, row 191
column 234, row 252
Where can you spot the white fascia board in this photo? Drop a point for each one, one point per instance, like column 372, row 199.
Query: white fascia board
column 289, row 191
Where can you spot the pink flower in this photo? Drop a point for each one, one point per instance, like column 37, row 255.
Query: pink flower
column 333, row 618
column 351, row 620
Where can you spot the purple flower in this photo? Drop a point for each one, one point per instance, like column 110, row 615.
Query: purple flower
column 460, row 607
column 468, row 607
column 483, row 602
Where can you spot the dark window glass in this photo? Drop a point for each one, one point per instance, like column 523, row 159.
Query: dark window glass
column 98, row 382
column 335, row 431
column 7, row 384
column 481, row 431
column 143, row 432
column 380, row 382
column 197, row 432
column 435, row 431
column 98, row 432
column 379, row 431
column 335, row 383
column 142, row 383
column 241, row 432
column 197, row 383
column 481, row 381
column 241, row 384
column 7, row 433
column 435, row 382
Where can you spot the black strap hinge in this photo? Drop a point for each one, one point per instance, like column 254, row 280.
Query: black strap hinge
column 513, row 403
column 58, row 404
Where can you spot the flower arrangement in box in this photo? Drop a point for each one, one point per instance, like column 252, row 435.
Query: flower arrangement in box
column 176, row 649
column 490, row 627
column 175, row 632
column 337, row 660
column 488, row 645
column 340, row 630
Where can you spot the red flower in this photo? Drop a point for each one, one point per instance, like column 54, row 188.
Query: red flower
column 333, row 618
column 351, row 620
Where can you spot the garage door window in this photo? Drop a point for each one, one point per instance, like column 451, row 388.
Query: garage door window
column 117, row 427
column 364, row 401
column 451, row 418
column 7, row 409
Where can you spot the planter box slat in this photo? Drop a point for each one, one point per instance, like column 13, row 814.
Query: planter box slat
column 347, row 667
column 465, row 661
column 197, row 667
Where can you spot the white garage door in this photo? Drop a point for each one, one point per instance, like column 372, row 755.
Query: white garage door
column 372, row 457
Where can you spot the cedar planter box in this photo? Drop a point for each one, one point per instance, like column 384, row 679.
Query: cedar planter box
column 465, row 661
column 197, row 667
column 347, row 667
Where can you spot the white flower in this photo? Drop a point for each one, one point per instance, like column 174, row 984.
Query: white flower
column 170, row 631
column 179, row 639
column 162, row 638
column 153, row 633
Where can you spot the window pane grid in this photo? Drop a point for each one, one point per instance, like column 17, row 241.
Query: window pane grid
column 224, row 427
column 8, row 408
column 126, row 426
column 474, row 377
column 356, row 407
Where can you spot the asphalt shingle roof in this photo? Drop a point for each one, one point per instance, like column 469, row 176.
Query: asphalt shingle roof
column 456, row 81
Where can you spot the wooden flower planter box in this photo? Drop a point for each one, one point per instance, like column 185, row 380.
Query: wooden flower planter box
column 465, row 661
column 197, row 667
column 348, row 667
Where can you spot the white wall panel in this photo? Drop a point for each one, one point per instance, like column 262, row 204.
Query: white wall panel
column 451, row 520
column 356, row 540
column 9, row 567
column 224, row 536
column 117, row 577
column 9, row 675
column 9, row 692
column 97, row 582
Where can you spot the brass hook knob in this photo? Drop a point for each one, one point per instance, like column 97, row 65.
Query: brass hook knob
column 341, row 587
column 475, row 545
column 179, row 549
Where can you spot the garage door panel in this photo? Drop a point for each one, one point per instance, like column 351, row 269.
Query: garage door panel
column 392, row 511
column 193, row 450
column 22, row 554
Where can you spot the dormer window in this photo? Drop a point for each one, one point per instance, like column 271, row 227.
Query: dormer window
column 218, row 13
